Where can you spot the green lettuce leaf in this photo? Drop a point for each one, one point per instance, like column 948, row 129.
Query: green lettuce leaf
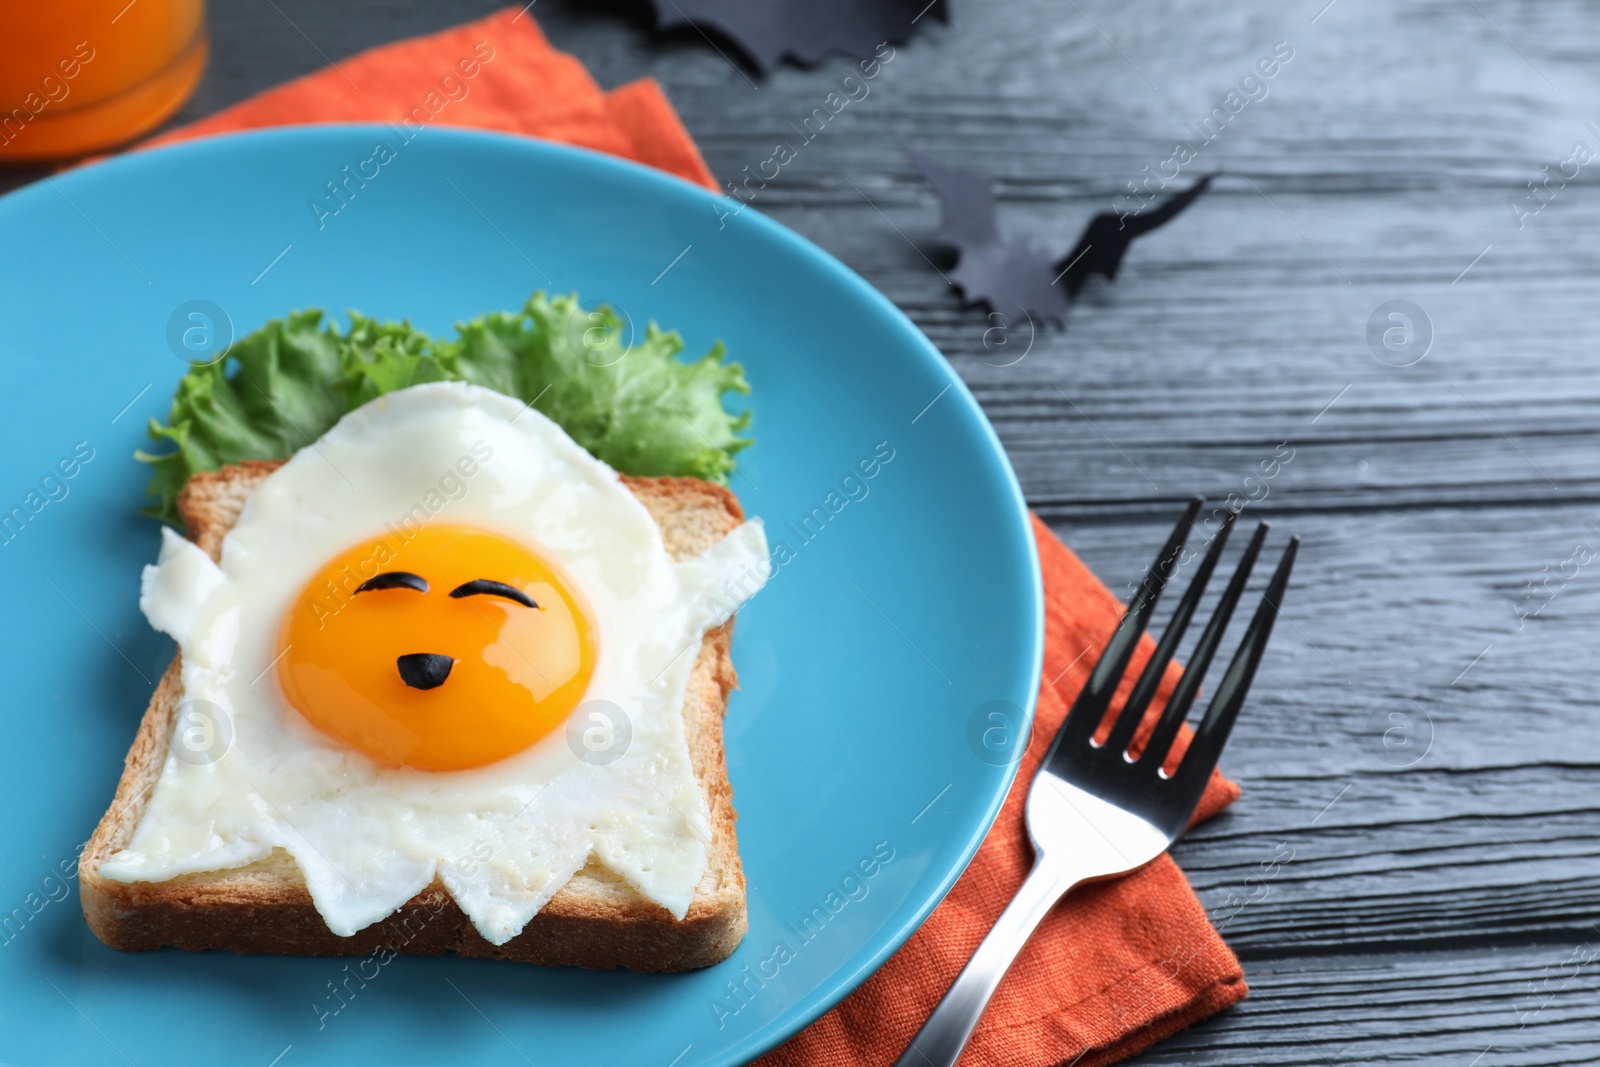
column 636, row 406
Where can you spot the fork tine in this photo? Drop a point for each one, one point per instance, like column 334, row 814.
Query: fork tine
column 1089, row 709
column 1133, row 710
column 1194, row 672
column 1095, row 697
column 1201, row 758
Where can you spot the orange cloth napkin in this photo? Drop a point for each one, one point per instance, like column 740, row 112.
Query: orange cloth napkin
column 1118, row 965
column 498, row 73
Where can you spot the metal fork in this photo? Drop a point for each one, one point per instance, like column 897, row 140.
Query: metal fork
column 1095, row 811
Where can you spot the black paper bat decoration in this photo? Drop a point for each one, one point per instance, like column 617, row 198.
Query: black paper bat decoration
column 1006, row 274
column 766, row 31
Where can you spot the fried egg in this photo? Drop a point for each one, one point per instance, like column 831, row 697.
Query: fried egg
column 442, row 642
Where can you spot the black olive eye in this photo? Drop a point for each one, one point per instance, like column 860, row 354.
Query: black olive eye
column 485, row 587
column 393, row 580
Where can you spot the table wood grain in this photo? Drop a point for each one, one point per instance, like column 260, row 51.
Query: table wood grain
column 1422, row 738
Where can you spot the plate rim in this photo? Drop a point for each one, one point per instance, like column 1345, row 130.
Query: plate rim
column 809, row 1006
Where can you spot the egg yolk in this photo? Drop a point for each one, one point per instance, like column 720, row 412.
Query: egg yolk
column 450, row 648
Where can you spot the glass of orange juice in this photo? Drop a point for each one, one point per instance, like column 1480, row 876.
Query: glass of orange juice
column 79, row 76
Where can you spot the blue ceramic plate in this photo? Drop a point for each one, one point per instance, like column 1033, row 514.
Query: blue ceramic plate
column 888, row 670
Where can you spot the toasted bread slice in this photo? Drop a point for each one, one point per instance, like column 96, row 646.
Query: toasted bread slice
column 596, row 920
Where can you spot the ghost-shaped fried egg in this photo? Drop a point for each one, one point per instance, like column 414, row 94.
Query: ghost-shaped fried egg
column 441, row 632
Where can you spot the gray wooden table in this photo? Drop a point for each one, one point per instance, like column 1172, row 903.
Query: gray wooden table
column 1423, row 735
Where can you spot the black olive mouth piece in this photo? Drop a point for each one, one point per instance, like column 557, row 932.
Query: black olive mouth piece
column 424, row 670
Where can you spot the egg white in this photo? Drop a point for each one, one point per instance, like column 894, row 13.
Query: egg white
column 503, row 838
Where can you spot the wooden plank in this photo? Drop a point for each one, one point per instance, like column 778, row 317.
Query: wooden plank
column 1401, row 861
column 1483, row 1008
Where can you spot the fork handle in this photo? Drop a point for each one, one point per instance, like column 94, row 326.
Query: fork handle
column 944, row 1035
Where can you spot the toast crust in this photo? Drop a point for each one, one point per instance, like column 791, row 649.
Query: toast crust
column 596, row 920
